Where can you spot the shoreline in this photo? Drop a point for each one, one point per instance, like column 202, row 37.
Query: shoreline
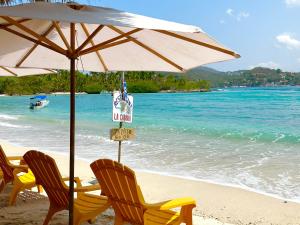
column 188, row 178
column 218, row 203
column 213, row 89
column 245, row 188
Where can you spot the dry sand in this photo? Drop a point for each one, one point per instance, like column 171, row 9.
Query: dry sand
column 216, row 204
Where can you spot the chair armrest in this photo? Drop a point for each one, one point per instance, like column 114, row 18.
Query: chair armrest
column 20, row 167
column 15, row 157
column 76, row 180
column 172, row 203
column 94, row 187
column 81, row 188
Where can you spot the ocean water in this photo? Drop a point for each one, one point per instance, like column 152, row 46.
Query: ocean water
column 246, row 137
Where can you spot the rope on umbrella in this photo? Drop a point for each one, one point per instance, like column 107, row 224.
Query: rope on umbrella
column 80, row 59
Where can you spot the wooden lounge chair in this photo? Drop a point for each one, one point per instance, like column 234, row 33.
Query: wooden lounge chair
column 86, row 207
column 11, row 174
column 119, row 184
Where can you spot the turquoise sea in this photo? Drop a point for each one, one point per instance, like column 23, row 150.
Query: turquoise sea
column 246, row 137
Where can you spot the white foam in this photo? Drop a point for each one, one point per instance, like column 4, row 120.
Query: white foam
column 8, row 117
column 240, row 186
column 235, row 184
column 95, row 138
column 281, row 136
column 5, row 124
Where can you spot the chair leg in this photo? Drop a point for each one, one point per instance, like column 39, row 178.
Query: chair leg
column 52, row 210
column 14, row 193
column 91, row 221
column 187, row 213
column 76, row 221
column 2, row 185
column 40, row 188
column 118, row 219
column 77, row 217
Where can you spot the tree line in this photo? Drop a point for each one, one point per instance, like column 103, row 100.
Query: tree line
column 137, row 82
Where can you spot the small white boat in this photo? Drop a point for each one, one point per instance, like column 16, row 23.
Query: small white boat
column 38, row 102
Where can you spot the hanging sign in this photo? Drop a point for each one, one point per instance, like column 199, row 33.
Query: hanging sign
column 122, row 107
column 122, row 134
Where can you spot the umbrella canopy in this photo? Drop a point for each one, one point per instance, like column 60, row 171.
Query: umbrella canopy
column 117, row 40
column 20, row 72
column 45, row 35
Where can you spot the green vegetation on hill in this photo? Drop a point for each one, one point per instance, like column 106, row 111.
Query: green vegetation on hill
column 137, row 82
column 251, row 78
column 199, row 79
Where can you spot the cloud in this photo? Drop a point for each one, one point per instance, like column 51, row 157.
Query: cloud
column 270, row 64
column 288, row 41
column 238, row 16
column 292, row 3
column 298, row 60
column 229, row 12
column 222, row 21
column 242, row 15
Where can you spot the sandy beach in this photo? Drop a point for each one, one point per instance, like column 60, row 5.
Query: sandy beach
column 216, row 204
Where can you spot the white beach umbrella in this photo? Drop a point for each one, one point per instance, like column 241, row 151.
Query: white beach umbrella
column 20, row 72
column 117, row 40
column 56, row 36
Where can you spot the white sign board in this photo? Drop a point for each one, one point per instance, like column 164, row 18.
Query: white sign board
column 122, row 109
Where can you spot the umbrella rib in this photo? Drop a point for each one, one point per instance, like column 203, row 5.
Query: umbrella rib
column 115, row 43
column 34, row 47
column 32, row 33
column 89, row 36
column 32, row 40
column 90, row 39
column 178, row 36
column 61, row 34
column 102, row 44
column 151, row 50
column 9, row 24
column 9, row 71
column 52, row 71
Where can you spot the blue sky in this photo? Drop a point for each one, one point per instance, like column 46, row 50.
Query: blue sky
column 265, row 32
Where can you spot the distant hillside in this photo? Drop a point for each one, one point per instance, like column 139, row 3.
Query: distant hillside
column 255, row 77
column 215, row 77
column 198, row 79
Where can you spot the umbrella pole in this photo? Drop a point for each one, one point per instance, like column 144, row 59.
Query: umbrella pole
column 72, row 122
column 120, row 145
column 121, row 123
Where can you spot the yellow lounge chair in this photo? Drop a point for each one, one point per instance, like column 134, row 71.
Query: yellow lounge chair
column 11, row 173
column 86, row 207
column 119, row 184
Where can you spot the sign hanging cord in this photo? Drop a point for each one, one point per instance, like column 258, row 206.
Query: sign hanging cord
column 80, row 59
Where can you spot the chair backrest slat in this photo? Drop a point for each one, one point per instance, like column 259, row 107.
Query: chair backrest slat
column 119, row 184
column 47, row 174
column 5, row 167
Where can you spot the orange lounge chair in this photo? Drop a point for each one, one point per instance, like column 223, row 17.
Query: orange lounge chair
column 86, row 207
column 11, row 173
column 119, row 184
